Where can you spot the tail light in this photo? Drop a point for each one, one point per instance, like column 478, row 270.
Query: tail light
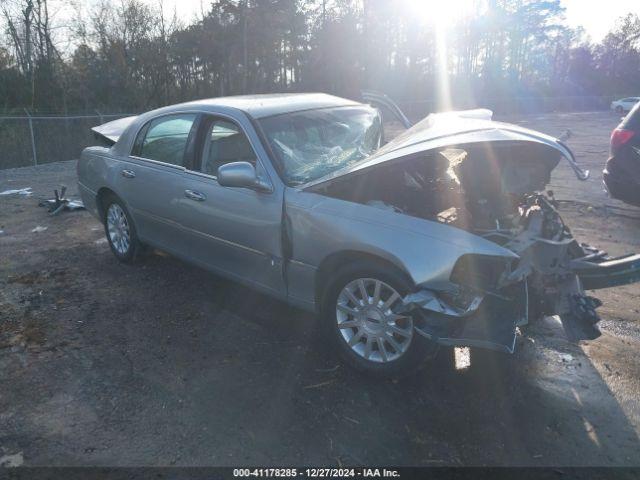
column 620, row 137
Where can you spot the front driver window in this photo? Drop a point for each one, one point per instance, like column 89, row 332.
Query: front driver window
column 225, row 143
column 166, row 138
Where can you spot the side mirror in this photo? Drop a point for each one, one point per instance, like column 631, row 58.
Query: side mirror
column 241, row 175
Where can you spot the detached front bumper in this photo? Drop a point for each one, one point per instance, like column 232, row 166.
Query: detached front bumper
column 608, row 273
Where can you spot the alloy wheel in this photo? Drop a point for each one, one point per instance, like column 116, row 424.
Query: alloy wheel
column 368, row 323
column 118, row 228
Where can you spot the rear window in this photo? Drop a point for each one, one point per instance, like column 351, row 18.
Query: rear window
column 165, row 139
column 632, row 120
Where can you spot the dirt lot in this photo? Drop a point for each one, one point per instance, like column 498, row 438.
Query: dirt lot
column 165, row 364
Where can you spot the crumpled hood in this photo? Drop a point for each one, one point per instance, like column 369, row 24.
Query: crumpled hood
column 449, row 129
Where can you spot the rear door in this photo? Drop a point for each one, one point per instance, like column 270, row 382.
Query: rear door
column 236, row 231
column 152, row 179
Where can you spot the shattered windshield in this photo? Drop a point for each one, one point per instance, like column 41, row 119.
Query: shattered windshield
column 310, row 144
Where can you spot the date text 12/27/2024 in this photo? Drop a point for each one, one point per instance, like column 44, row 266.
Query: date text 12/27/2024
column 316, row 472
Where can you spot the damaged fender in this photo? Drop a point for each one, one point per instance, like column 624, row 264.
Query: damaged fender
column 482, row 320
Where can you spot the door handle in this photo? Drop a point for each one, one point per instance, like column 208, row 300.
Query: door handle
column 193, row 195
column 128, row 173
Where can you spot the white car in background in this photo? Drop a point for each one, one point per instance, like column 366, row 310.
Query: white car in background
column 624, row 104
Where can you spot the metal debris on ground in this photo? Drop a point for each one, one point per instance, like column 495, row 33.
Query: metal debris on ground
column 566, row 357
column 565, row 135
column 60, row 203
column 38, row 229
column 321, row 384
column 12, row 461
column 20, row 191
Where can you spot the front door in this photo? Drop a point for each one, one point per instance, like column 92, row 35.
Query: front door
column 234, row 230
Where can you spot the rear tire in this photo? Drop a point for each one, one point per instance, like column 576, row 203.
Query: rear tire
column 120, row 230
column 358, row 314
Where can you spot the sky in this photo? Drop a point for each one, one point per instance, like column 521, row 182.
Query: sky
column 596, row 16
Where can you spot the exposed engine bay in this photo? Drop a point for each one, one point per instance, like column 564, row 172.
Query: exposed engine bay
column 494, row 190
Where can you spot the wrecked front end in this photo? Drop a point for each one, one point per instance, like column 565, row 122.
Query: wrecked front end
column 490, row 298
column 489, row 179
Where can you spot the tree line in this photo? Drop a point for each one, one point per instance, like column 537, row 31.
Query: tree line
column 129, row 55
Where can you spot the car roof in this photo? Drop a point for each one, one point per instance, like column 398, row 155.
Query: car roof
column 122, row 132
column 266, row 105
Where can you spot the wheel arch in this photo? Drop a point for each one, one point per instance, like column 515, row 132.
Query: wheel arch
column 336, row 260
column 103, row 193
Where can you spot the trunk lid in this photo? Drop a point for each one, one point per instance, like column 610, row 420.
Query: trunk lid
column 110, row 132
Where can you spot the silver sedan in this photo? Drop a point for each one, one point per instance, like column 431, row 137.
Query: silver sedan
column 439, row 237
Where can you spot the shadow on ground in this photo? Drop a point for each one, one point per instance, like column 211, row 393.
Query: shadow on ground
column 162, row 363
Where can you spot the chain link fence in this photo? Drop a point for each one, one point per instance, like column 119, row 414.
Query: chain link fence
column 29, row 140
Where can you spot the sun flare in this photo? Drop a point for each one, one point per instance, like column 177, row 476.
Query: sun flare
column 439, row 12
column 440, row 16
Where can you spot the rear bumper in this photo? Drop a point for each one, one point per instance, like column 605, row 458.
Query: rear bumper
column 622, row 179
column 621, row 188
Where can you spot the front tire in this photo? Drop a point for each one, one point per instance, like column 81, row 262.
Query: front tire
column 360, row 316
column 619, row 110
column 120, row 230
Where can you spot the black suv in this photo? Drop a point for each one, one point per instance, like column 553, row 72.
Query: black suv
column 622, row 172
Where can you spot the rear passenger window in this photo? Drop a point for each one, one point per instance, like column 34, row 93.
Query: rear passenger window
column 225, row 142
column 165, row 139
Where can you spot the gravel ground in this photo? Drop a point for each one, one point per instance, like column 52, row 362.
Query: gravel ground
column 165, row 364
